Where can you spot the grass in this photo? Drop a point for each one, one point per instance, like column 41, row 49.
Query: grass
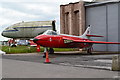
column 64, row 49
column 18, row 49
column 29, row 49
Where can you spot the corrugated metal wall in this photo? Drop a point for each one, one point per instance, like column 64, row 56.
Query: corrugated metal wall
column 104, row 21
column 112, row 14
column 119, row 25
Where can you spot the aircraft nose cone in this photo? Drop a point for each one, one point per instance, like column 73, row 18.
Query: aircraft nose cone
column 35, row 40
column 2, row 34
column 6, row 34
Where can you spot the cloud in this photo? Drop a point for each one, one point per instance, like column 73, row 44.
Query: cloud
column 13, row 14
column 28, row 11
column 14, row 11
column 58, row 1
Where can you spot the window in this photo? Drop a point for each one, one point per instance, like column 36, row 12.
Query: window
column 50, row 32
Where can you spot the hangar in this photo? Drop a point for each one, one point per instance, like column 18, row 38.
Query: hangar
column 104, row 18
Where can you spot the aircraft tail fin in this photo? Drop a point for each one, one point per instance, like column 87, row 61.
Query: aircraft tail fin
column 53, row 25
column 86, row 32
column 87, row 35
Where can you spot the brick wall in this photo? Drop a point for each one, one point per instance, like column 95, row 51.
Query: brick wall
column 72, row 18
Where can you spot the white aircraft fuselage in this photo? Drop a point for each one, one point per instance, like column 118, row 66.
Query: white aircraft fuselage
column 27, row 30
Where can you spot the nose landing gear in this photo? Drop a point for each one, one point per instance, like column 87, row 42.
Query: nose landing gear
column 51, row 51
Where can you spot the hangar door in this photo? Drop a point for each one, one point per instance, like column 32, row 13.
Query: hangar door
column 112, row 18
column 104, row 21
column 96, row 17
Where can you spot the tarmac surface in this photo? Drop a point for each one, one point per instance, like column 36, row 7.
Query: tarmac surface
column 62, row 66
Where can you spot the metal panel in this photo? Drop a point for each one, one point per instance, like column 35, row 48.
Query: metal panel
column 96, row 16
column 112, row 10
column 119, row 24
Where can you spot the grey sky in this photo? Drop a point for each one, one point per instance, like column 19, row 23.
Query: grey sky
column 14, row 11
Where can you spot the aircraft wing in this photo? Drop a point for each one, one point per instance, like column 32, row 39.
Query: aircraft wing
column 96, row 42
column 69, row 40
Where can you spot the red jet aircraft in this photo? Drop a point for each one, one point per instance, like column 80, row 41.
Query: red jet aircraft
column 51, row 39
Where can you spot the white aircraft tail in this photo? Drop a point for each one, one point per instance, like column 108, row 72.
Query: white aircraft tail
column 87, row 35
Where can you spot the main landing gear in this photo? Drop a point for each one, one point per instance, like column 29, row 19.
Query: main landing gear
column 89, row 50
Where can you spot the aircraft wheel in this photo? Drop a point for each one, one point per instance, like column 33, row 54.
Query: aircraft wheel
column 13, row 45
column 44, row 56
column 51, row 51
column 89, row 51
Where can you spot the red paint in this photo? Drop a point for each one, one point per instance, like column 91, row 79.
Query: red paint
column 47, row 60
column 53, row 40
column 38, row 48
column 57, row 41
column 32, row 43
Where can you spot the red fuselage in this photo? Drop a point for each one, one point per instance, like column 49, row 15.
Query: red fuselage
column 60, row 41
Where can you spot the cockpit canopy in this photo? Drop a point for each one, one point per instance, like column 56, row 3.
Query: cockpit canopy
column 50, row 32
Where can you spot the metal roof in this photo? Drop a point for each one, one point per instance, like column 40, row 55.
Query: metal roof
column 101, row 3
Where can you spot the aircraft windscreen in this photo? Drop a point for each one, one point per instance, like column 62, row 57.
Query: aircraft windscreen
column 50, row 32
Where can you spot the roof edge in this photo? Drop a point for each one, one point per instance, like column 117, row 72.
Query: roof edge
column 101, row 3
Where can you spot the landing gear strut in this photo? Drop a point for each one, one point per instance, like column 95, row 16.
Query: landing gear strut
column 46, row 55
column 51, row 51
column 89, row 51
